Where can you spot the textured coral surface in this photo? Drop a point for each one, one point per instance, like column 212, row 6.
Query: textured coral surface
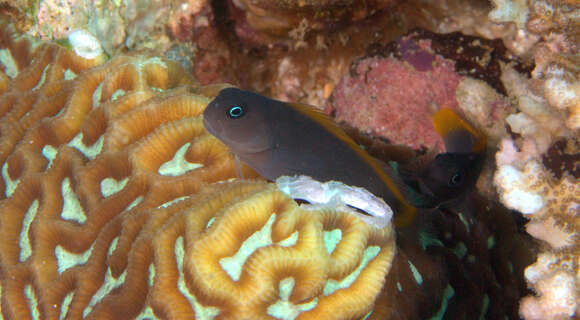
column 109, row 211
column 277, row 18
column 553, row 207
column 516, row 70
column 378, row 99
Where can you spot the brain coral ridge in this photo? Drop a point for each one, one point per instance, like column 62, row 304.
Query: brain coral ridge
column 116, row 205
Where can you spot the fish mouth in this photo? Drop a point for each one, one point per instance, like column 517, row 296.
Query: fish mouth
column 208, row 126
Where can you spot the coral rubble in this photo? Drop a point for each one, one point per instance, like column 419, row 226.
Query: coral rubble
column 116, row 205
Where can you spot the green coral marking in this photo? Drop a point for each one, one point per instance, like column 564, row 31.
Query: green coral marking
column 284, row 309
column 334, row 285
column 71, row 208
column 201, row 312
column 484, row 307
column 69, row 74
column 10, row 184
column 110, row 186
column 135, row 202
column 447, row 295
column 290, row 241
column 117, row 94
column 24, row 243
column 209, row 222
column 10, row 66
column 151, row 277
column 261, row 238
column 368, row 315
column 178, row 165
column 89, row 151
column 170, row 202
column 42, row 78
column 66, row 260
column 460, row 250
column 399, row 287
column 49, row 152
column 112, row 246
column 109, row 284
column 65, row 305
column 427, row 239
column 32, row 302
column 462, row 218
column 146, row 314
column 64, row 42
column 416, row 274
column 490, row 242
column 331, row 239
column 96, row 98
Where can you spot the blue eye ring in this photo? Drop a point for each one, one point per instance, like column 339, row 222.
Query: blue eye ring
column 236, row 111
column 456, row 179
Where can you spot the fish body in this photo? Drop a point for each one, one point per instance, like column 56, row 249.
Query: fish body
column 276, row 139
column 450, row 175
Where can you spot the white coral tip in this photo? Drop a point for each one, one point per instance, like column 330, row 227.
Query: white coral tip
column 515, row 194
column 85, row 44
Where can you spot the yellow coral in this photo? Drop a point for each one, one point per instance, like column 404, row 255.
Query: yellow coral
column 114, row 206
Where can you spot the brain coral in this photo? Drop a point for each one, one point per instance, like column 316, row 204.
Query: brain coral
column 115, row 205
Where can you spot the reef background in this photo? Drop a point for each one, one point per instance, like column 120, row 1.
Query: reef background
column 383, row 66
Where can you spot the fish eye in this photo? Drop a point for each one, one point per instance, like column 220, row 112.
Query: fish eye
column 236, row 112
column 456, row 179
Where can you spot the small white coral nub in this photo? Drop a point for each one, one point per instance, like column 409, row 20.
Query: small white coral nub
column 516, row 187
column 338, row 195
column 85, row 44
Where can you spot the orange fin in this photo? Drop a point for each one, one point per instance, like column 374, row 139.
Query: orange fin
column 405, row 218
column 446, row 121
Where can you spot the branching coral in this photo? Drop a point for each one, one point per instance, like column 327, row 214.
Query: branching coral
column 552, row 204
column 548, row 104
column 111, row 206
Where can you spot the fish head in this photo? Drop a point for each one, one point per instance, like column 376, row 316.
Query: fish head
column 451, row 174
column 239, row 119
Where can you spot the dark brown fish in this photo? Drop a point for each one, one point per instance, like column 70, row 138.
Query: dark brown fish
column 450, row 175
column 276, row 139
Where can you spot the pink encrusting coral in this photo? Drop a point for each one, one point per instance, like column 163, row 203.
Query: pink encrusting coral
column 397, row 87
column 394, row 99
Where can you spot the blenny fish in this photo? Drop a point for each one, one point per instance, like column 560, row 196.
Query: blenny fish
column 278, row 138
column 449, row 175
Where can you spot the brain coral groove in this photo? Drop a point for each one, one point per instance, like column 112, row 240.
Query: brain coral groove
column 115, row 204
